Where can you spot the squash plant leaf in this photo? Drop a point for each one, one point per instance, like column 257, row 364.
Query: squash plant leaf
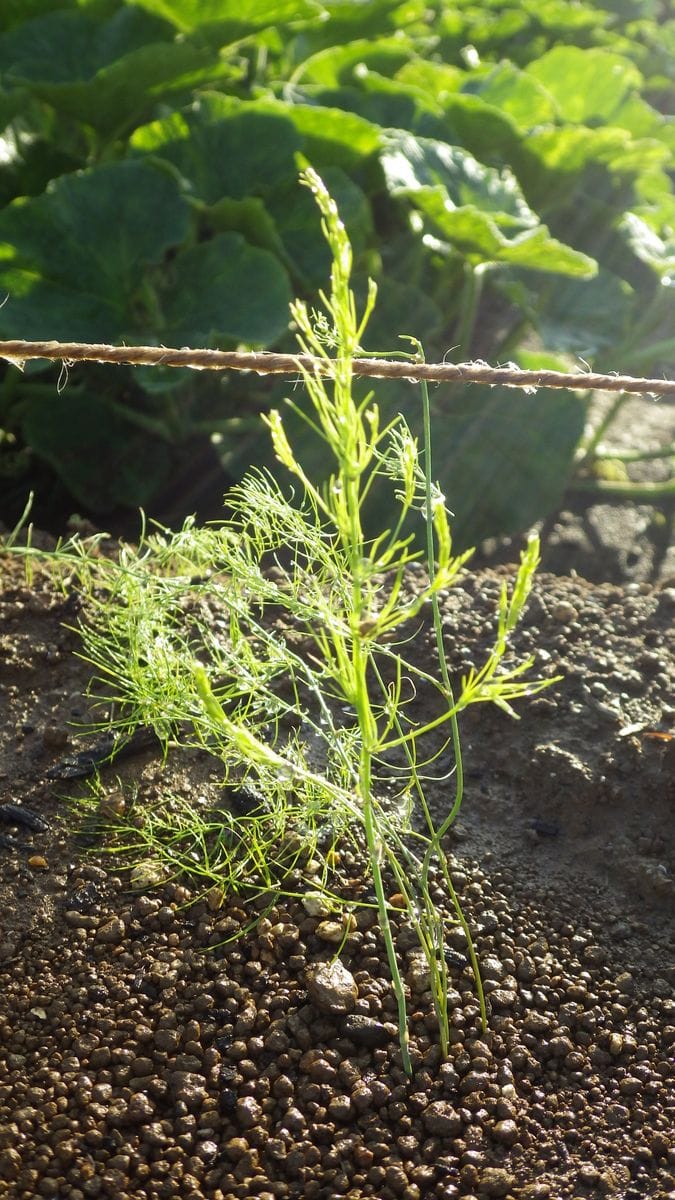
column 224, row 147
column 601, row 81
column 507, row 456
column 105, row 75
column 477, row 209
column 235, row 17
column 72, row 260
column 75, row 431
column 225, row 289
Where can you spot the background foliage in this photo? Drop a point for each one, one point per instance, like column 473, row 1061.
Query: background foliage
column 504, row 172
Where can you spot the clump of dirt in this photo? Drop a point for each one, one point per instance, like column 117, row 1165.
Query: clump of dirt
column 146, row 1053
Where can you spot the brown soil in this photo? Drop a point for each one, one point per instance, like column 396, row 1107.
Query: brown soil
column 137, row 1065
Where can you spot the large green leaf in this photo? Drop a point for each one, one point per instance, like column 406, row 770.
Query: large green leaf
column 332, row 137
column 351, row 19
column 225, row 289
column 482, row 128
column 104, row 459
column 515, row 93
column 504, row 458
column 585, row 318
column 232, row 17
column 650, row 248
column 342, row 64
column 105, row 74
column 554, row 164
column 437, row 79
column 14, row 12
column 481, row 240
column 295, row 216
column 72, row 260
column 586, row 85
column 381, row 102
column 224, row 147
column 402, row 310
column 411, row 163
column 477, row 209
column 69, row 45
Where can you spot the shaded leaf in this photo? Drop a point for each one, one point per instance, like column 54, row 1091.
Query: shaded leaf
column 482, row 128
column 584, row 317
column 295, row 216
column 225, row 289
column 503, row 457
column 250, row 218
column 69, row 45
column 402, row 309
column 104, row 74
column 224, row 147
column 71, row 260
column 102, row 457
column 381, row 102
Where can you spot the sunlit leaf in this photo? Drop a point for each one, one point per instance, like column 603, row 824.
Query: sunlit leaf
column 585, row 84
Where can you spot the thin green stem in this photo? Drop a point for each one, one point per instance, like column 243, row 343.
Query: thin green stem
column 614, row 454
column 474, row 278
column 610, row 489
column 439, row 833
column 588, row 448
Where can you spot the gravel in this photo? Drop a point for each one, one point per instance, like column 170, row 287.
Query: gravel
column 144, row 1052
column 141, row 1064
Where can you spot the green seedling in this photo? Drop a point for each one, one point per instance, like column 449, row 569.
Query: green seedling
column 278, row 640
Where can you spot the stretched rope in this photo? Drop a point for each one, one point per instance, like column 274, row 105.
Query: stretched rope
column 19, row 352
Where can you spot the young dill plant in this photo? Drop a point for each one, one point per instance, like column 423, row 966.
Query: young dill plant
column 276, row 640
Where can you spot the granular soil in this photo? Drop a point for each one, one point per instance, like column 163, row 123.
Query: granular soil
column 146, row 1055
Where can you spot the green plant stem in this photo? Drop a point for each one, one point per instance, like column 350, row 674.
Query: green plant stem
column 632, row 456
column 439, row 834
column 350, row 480
column 587, row 451
column 609, row 489
column 474, row 277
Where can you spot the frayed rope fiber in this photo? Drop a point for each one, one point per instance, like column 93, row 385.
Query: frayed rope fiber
column 264, row 363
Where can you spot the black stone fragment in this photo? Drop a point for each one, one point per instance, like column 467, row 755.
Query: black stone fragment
column 365, row 1031
column 16, row 814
